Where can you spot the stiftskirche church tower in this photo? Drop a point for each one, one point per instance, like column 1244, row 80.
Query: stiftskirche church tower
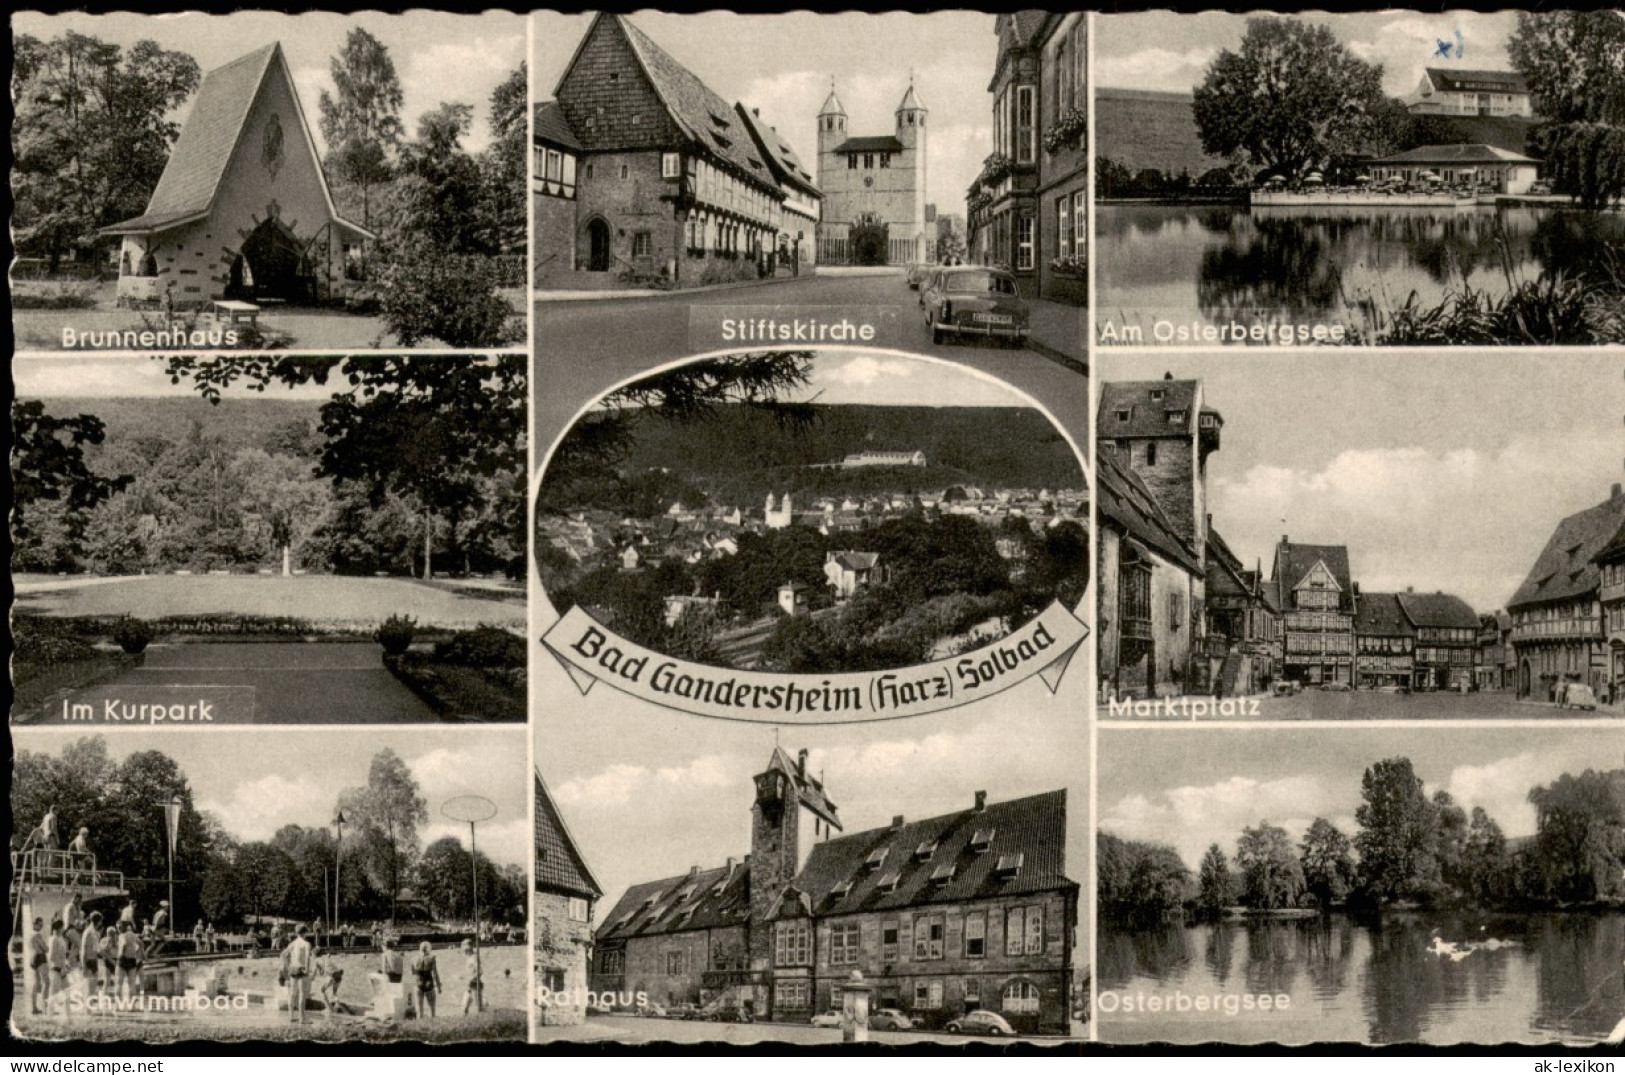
column 874, row 188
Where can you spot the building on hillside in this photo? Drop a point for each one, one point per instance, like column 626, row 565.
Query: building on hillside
column 1480, row 165
column 1318, row 604
column 848, row 572
column 1557, row 623
column 1496, row 667
column 1385, row 643
column 242, row 210
column 671, row 183
column 1447, row 91
column 1148, row 580
column 941, row 916
column 884, row 459
column 1446, row 640
column 874, row 187
column 566, row 893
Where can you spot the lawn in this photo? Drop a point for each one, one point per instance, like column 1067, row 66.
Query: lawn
column 318, row 598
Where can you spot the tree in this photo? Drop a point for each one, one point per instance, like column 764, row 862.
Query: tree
column 388, row 812
column 1328, row 868
column 1487, row 865
column 1571, row 62
column 1271, row 877
column 265, row 874
column 1216, row 886
column 361, row 122
column 504, row 164
column 48, row 463
column 1396, row 831
column 91, row 135
column 1137, row 883
column 1580, row 841
column 443, row 877
column 1292, row 98
column 1450, row 841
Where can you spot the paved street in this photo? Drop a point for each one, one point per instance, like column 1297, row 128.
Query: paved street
column 585, row 346
column 1357, row 705
column 632, row 1028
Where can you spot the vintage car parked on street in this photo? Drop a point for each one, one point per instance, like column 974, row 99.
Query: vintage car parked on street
column 981, row 1021
column 974, row 301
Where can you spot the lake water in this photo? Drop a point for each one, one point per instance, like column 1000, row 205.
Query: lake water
column 1215, row 264
column 1370, row 983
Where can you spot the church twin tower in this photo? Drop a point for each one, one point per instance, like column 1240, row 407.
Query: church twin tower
column 874, row 209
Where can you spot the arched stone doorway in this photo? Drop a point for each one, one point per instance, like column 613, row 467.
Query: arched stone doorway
column 597, row 245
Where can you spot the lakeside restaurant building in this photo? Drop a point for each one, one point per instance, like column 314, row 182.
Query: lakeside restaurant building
column 944, row 915
column 1482, row 165
column 1452, row 92
column 242, row 210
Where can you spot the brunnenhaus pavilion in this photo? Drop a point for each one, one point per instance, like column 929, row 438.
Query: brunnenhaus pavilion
column 942, row 916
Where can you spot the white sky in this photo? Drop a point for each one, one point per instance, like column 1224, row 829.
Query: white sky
column 891, row 380
column 782, row 65
column 132, row 376
column 257, row 780
column 438, row 56
column 1439, row 470
column 1162, row 50
column 1191, row 787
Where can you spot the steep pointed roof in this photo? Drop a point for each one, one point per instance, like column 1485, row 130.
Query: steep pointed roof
column 832, row 105
column 781, row 159
column 911, row 101
column 560, row 866
column 191, row 179
column 1567, row 566
column 809, row 789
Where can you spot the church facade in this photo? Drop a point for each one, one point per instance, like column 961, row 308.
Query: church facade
column 874, row 188
column 963, row 911
column 242, row 210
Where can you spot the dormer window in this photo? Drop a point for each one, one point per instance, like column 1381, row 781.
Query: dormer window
column 925, row 850
column 1010, row 865
column 1156, row 395
column 1176, row 417
column 982, row 840
column 890, row 881
column 875, row 860
column 841, row 890
column 942, row 874
column 1123, row 414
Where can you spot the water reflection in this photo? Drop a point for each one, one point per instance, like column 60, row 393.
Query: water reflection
column 1326, row 263
column 1534, row 978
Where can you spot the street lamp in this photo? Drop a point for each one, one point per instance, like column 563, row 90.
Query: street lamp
column 473, row 809
column 338, row 857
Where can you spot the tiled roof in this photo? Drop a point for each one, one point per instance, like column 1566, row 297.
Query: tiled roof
column 857, row 561
column 559, row 865
column 1026, row 24
column 1451, row 79
column 1380, row 614
column 706, row 117
column 1567, row 566
column 939, row 859
column 1456, row 155
column 782, row 160
column 1437, row 610
column 1293, row 562
column 809, row 789
column 699, row 899
column 1613, row 550
column 870, row 143
column 552, row 127
column 1147, row 416
column 1125, row 500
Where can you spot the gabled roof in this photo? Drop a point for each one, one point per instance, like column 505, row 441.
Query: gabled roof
column 559, row 864
column 699, row 899
column 1224, row 571
column 870, row 143
column 1125, row 501
column 1031, row 831
column 857, row 561
column 553, row 129
column 809, row 789
column 1456, row 155
column 781, row 159
column 1453, row 79
column 698, row 110
column 1567, row 566
column 1381, row 614
column 1293, row 563
column 213, row 129
column 1437, row 610
column 1613, row 549
column 1148, row 413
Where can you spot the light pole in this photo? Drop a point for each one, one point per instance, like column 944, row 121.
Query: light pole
column 338, row 858
column 172, row 822
column 473, row 809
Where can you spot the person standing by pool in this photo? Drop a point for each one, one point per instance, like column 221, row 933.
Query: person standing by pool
column 47, row 830
column 60, row 954
column 130, row 954
column 39, row 958
column 474, row 991
column 427, row 973
column 391, row 962
column 90, row 952
column 297, row 961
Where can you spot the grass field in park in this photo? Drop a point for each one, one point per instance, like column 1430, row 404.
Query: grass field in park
column 453, row 604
